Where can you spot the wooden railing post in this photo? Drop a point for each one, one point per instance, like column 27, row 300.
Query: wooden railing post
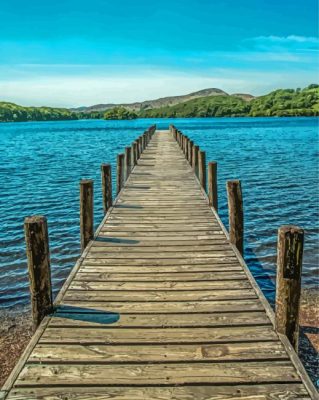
column 195, row 159
column 186, row 147
column 86, row 212
column 37, row 245
column 202, row 168
column 133, row 156
column 190, row 151
column 140, row 143
column 236, row 214
column 106, row 174
column 119, row 172
column 212, row 184
column 137, row 144
column 144, row 141
column 127, row 162
column 288, row 285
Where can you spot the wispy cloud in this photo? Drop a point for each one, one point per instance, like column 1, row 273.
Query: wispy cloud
column 280, row 43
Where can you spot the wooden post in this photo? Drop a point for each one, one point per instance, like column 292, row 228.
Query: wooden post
column 137, row 150
column 195, row 159
column 106, row 174
column 288, row 285
column 212, row 184
column 120, row 172
column 133, row 155
column 140, row 143
column 127, row 162
column 37, row 244
column 86, row 212
column 190, row 151
column 202, row 168
column 236, row 215
column 186, row 147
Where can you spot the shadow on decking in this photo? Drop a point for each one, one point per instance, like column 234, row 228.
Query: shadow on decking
column 116, row 240
column 85, row 315
column 127, row 206
column 137, row 187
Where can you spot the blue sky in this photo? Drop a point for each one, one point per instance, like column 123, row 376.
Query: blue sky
column 72, row 53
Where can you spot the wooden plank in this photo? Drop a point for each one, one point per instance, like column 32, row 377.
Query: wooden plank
column 78, row 317
column 152, row 268
column 159, row 286
column 45, row 353
column 158, row 374
column 172, row 261
column 160, row 277
column 100, row 246
column 158, row 295
column 145, row 307
column 109, row 335
column 284, row 391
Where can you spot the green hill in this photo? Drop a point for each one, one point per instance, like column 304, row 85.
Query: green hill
column 282, row 102
column 10, row 112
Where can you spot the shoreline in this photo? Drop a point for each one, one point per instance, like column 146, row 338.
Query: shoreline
column 164, row 118
column 16, row 332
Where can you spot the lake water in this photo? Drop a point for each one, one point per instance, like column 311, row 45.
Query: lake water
column 42, row 163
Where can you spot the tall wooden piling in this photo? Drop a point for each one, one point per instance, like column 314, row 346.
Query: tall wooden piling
column 137, row 144
column 133, row 155
column 195, row 159
column 140, row 143
column 288, row 285
column 190, row 151
column 202, row 168
column 37, row 245
column 86, row 212
column 106, row 175
column 128, row 162
column 236, row 214
column 212, row 185
column 119, row 172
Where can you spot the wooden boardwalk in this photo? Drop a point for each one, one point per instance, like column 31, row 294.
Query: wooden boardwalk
column 159, row 306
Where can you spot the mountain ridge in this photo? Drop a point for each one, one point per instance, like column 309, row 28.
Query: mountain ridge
column 162, row 101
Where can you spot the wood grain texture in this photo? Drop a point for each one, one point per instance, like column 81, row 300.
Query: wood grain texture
column 86, row 212
column 273, row 391
column 39, row 269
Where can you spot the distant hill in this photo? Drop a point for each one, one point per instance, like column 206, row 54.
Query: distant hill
column 280, row 103
column 161, row 102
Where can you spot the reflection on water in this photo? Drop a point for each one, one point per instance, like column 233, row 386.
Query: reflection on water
column 42, row 163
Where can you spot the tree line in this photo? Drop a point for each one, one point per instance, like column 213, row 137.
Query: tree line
column 279, row 103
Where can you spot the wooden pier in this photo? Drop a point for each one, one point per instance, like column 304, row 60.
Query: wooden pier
column 161, row 304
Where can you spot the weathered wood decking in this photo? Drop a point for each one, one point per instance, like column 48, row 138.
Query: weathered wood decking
column 160, row 306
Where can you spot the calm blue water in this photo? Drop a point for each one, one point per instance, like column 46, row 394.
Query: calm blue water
column 42, row 163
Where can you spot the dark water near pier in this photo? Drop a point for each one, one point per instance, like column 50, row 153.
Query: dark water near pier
column 42, row 163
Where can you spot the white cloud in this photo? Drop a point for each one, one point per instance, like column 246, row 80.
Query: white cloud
column 279, row 43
